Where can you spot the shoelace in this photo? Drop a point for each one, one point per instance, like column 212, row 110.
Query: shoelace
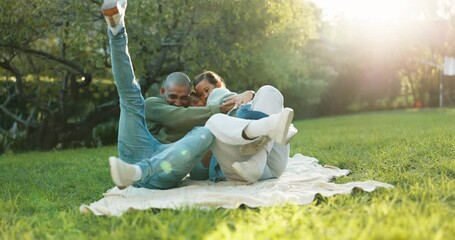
column 235, row 107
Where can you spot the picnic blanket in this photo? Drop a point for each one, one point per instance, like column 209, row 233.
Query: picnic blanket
column 303, row 179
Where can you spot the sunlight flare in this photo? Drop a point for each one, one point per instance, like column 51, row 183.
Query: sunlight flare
column 373, row 11
column 166, row 166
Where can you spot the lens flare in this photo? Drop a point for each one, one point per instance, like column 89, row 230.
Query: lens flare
column 166, row 166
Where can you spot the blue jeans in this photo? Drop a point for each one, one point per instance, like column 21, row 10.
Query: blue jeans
column 163, row 165
column 245, row 112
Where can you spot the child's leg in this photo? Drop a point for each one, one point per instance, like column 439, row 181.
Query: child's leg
column 268, row 100
column 246, row 112
column 277, row 160
column 259, row 167
column 229, row 135
column 252, row 169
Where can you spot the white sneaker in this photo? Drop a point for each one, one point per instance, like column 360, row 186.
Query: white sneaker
column 291, row 133
column 122, row 173
column 114, row 13
column 253, row 147
column 279, row 131
column 248, row 170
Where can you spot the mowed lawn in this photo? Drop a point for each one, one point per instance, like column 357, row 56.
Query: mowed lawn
column 40, row 192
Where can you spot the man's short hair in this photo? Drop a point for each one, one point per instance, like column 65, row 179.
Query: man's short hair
column 177, row 78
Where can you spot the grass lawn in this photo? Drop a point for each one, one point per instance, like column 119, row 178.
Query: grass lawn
column 40, row 192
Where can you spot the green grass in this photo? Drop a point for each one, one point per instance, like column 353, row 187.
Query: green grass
column 40, row 192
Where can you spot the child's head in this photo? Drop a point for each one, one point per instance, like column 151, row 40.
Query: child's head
column 205, row 82
column 194, row 100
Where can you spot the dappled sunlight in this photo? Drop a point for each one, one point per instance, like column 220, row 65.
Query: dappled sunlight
column 385, row 22
column 184, row 153
column 387, row 26
column 166, row 166
column 203, row 136
column 373, row 11
column 388, row 54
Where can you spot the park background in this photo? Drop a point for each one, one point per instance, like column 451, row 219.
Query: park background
column 327, row 58
column 363, row 76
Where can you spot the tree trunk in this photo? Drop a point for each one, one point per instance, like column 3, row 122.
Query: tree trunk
column 53, row 131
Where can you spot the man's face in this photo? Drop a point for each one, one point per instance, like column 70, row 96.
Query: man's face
column 176, row 95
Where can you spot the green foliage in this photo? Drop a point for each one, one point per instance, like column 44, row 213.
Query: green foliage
column 49, row 53
column 63, row 29
column 41, row 191
column 75, row 109
column 250, row 43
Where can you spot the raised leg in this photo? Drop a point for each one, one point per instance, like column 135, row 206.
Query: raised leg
column 144, row 161
column 134, row 140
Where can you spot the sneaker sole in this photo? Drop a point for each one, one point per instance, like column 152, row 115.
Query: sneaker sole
column 288, row 139
column 112, row 16
column 253, row 147
column 110, row 11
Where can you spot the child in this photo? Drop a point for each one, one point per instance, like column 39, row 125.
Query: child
column 212, row 90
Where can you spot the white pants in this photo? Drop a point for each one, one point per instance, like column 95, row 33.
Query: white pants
column 228, row 133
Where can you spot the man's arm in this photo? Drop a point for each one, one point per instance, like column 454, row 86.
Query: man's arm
column 159, row 111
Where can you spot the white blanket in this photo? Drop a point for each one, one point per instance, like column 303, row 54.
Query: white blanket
column 302, row 180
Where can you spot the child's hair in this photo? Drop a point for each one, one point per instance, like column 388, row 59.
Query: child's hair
column 211, row 77
column 194, row 94
column 196, row 98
